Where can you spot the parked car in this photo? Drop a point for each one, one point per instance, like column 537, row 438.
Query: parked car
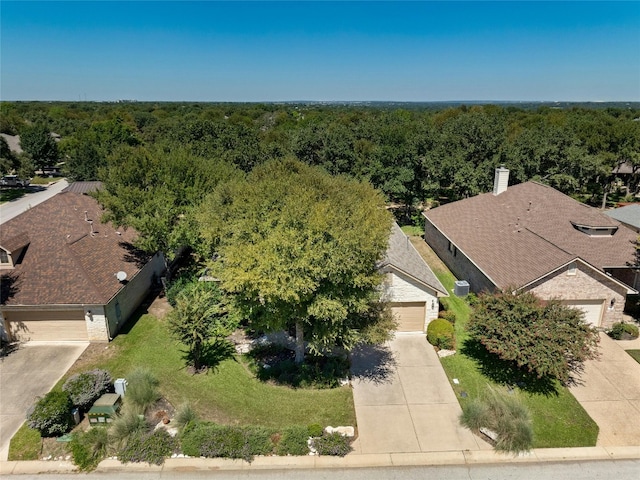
column 14, row 181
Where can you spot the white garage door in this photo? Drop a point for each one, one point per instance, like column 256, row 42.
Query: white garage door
column 56, row 325
column 592, row 309
column 410, row 316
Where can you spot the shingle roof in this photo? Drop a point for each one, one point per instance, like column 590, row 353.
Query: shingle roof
column 402, row 255
column 64, row 262
column 82, row 187
column 629, row 214
column 528, row 231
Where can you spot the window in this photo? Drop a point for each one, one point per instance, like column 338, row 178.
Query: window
column 453, row 249
column 572, row 268
column 4, row 257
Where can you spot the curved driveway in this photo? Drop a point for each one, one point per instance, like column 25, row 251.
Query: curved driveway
column 404, row 402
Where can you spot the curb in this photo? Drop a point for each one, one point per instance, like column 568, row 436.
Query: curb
column 354, row 460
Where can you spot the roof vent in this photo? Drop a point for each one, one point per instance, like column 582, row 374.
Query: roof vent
column 501, row 180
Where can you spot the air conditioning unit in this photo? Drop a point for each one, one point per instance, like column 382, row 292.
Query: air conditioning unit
column 461, row 288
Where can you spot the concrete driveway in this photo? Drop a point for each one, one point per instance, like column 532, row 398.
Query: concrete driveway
column 609, row 391
column 25, row 374
column 404, row 402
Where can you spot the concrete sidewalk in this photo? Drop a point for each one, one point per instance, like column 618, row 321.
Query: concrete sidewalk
column 609, row 390
column 404, row 402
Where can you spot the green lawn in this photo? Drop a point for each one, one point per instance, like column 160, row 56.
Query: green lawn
column 558, row 419
column 635, row 354
column 229, row 394
column 8, row 194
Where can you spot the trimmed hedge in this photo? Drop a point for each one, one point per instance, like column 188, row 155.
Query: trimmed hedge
column 440, row 334
column 293, row 441
column 448, row 315
column 211, row 440
column 622, row 330
column 152, row 447
column 333, row 444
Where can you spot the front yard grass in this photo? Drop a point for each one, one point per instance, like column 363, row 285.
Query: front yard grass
column 635, row 354
column 228, row 394
column 558, row 419
column 8, row 194
column 26, row 444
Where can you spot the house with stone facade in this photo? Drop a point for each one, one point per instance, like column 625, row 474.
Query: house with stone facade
column 532, row 237
column 410, row 286
column 66, row 275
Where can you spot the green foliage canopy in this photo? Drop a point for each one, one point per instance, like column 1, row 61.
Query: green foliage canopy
column 299, row 248
column 547, row 339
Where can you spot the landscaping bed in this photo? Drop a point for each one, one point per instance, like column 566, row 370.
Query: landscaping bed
column 558, row 418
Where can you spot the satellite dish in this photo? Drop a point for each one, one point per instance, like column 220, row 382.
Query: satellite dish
column 121, row 276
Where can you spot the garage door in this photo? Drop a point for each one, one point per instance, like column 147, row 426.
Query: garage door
column 57, row 325
column 410, row 316
column 592, row 309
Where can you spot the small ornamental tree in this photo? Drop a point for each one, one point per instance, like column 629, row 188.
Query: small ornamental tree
column 547, row 339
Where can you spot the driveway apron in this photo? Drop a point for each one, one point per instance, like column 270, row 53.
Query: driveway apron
column 404, row 402
column 609, row 390
column 26, row 373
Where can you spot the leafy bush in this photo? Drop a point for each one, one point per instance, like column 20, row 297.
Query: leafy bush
column 211, row 440
column 51, row 414
column 440, row 334
column 176, row 287
column 448, row 315
column 152, row 447
column 506, row 415
column 315, row 430
column 293, row 441
column 184, row 415
column 621, row 330
column 85, row 388
column 142, row 389
column 332, row 444
column 89, row 448
column 127, row 424
column 547, row 339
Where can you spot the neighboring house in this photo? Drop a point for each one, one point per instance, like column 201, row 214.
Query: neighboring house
column 531, row 237
column 410, row 286
column 629, row 215
column 63, row 271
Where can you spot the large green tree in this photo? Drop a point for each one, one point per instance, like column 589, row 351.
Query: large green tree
column 545, row 338
column 38, row 143
column 298, row 249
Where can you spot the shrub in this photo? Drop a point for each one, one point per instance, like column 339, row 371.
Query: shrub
column 184, row 415
column 332, row 444
column 89, row 448
column 211, row 440
column 151, row 447
column 620, row 331
column 448, row 315
column 315, row 430
column 293, row 441
column 85, row 388
column 176, row 287
column 506, row 415
column 126, row 425
column 51, row 414
column 440, row 334
column 142, row 389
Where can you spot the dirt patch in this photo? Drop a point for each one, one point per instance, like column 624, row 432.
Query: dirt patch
column 94, row 353
column 159, row 307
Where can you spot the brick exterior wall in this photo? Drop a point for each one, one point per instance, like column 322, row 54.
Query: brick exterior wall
column 458, row 263
column 586, row 284
column 96, row 322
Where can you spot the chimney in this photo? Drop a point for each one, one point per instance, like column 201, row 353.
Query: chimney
column 501, row 180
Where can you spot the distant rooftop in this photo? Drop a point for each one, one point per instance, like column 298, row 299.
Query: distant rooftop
column 83, row 187
column 629, row 214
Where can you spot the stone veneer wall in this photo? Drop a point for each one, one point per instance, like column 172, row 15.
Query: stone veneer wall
column 586, row 284
column 96, row 322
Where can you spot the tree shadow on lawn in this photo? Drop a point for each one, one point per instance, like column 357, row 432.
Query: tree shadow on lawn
column 374, row 363
column 212, row 355
column 505, row 372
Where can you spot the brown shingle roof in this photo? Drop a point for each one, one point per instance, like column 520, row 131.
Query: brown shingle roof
column 65, row 263
column 527, row 231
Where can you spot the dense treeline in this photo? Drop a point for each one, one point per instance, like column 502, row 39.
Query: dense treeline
column 411, row 154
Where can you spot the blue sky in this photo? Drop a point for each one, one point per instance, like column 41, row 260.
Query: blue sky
column 326, row 51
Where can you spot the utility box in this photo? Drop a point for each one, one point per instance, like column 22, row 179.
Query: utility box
column 120, row 386
column 105, row 409
column 461, row 288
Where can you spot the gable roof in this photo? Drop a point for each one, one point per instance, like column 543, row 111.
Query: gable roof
column 64, row 262
column 629, row 214
column 528, row 231
column 402, row 256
